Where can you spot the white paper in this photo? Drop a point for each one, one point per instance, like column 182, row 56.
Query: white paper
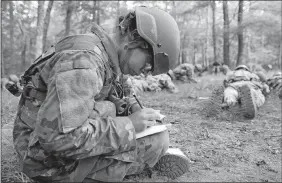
column 152, row 130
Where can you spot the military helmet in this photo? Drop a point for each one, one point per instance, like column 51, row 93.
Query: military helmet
column 242, row 67
column 160, row 30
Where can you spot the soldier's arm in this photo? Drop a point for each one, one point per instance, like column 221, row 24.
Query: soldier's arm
column 63, row 124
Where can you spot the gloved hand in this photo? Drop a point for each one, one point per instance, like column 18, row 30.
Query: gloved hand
column 144, row 118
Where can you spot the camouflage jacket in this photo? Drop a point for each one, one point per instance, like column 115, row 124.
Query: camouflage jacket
column 241, row 77
column 69, row 121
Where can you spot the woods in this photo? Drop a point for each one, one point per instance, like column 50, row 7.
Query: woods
column 228, row 32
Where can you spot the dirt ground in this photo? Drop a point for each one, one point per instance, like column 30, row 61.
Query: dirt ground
column 219, row 150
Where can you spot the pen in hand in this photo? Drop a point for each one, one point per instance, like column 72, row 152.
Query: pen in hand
column 159, row 121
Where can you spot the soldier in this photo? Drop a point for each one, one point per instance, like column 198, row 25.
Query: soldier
column 216, row 67
column 275, row 83
column 68, row 126
column 184, row 72
column 244, row 85
column 225, row 69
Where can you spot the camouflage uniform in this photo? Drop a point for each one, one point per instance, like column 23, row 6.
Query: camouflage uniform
column 184, row 72
column 66, row 129
column 238, row 78
column 275, row 84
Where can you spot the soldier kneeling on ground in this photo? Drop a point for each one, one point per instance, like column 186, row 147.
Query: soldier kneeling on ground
column 244, row 89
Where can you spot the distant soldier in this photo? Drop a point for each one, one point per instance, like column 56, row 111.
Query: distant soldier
column 216, row 67
column 275, row 83
column 241, row 88
column 198, row 69
column 225, row 69
column 184, row 72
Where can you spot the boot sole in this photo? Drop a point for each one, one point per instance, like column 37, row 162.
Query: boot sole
column 172, row 166
column 213, row 108
column 248, row 106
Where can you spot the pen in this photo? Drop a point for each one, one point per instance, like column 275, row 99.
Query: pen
column 138, row 101
column 159, row 121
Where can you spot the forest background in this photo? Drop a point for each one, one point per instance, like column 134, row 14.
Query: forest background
column 229, row 32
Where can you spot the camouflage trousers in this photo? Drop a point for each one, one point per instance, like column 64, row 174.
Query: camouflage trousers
column 108, row 169
column 231, row 92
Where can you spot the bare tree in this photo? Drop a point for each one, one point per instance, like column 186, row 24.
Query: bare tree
column 98, row 12
column 24, row 40
column 240, row 33
column 213, row 29
column 46, row 24
column 68, row 17
column 39, row 28
column 166, row 4
column 226, row 57
column 11, row 15
column 4, row 5
column 118, row 6
column 174, row 9
column 207, row 38
column 280, row 52
column 94, row 11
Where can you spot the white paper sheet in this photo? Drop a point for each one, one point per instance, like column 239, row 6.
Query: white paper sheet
column 152, row 130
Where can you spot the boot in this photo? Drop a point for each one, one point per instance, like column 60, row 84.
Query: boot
column 173, row 163
column 247, row 101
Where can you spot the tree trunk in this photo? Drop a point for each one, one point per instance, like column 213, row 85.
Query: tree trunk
column 166, row 3
column 183, row 52
column 194, row 53
column 118, row 4
column 174, row 10
column 39, row 28
column 11, row 14
column 46, row 24
column 4, row 5
column 183, row 56
column 207, row 38
column 203, row 54
column 23, row 52
column 214, row 30
column 240, row 33
column 68, row 17
column 98, row 12
column 280, row 52
column 94, row 11
column 226, row 34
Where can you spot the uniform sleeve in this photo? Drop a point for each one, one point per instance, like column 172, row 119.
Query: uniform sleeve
column 64, row 126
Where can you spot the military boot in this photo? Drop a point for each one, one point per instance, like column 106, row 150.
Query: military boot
column 214, row 105
column 247, row 102
column 173, row 163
